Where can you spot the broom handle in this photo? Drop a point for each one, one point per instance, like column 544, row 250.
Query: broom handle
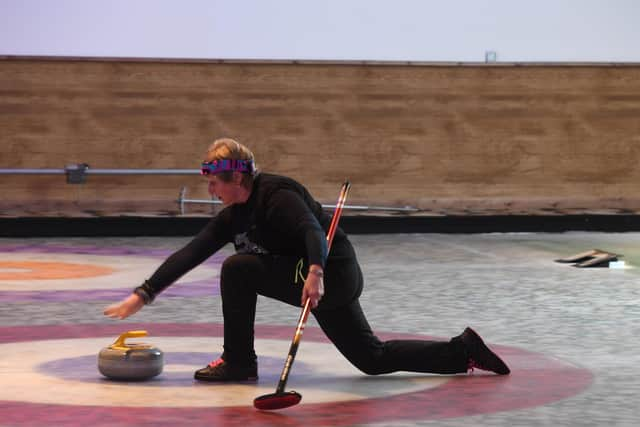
column 307, row 305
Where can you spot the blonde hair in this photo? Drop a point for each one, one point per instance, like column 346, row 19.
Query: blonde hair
column 230, row 149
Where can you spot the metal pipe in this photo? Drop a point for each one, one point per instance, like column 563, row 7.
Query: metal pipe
column 182, row 201
column 32, row 171
column 143, row 171
column 376, row 208
column 82, row 169
column 351, row 207
column 90, row 171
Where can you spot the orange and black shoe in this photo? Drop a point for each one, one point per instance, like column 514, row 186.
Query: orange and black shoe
column 221, row 371
column 480, row 356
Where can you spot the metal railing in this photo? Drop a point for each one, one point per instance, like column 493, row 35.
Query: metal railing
column 77, row 174
column 182, row 200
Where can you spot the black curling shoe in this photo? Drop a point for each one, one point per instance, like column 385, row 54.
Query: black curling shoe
column 221, row 371
column 480, row 356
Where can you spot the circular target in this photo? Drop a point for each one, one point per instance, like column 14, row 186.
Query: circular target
column 40, row 270
column 46, row 358
column 59, row 273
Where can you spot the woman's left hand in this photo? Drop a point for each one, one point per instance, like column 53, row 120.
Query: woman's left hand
column 313, row 288
column 125, row 308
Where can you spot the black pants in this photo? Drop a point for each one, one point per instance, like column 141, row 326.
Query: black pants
column 339, row 314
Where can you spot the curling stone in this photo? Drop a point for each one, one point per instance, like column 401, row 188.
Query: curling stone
column 126, row 361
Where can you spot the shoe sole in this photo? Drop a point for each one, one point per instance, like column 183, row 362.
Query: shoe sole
column 501, row 367
column 216, row 380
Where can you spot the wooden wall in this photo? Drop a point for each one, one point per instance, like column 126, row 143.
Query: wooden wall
column 447, row 139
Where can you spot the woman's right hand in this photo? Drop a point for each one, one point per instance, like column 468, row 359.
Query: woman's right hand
column 125, row 308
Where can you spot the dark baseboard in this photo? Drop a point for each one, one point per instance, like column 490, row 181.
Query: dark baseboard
column 187, row 226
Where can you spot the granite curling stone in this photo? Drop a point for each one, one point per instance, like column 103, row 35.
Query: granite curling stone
column 130, row 361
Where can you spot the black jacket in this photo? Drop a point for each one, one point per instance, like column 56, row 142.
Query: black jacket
column 279, row 218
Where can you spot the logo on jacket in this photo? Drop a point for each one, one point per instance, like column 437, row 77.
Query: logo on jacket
column 244, row 245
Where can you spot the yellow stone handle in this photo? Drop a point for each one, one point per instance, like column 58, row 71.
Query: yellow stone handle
column 119, row 343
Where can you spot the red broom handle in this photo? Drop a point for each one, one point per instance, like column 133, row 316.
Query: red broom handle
column 307, row 305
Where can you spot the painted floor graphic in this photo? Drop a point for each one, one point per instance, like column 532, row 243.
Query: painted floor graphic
column 50, row 374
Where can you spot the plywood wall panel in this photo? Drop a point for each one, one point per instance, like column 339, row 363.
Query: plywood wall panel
column 452, row 138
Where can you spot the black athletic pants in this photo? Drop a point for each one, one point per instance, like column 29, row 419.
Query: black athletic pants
column 339, row 314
